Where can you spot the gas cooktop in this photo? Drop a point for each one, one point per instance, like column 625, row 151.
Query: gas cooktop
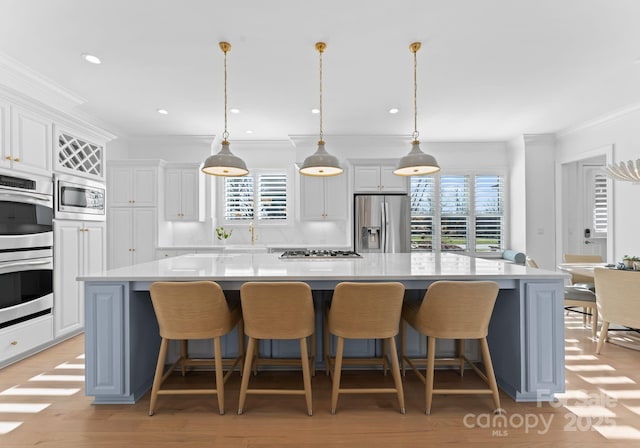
column 323, row 254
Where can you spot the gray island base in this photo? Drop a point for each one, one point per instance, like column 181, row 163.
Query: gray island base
column 526, row 334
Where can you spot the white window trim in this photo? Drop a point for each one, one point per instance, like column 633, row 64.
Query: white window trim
column 255, row 173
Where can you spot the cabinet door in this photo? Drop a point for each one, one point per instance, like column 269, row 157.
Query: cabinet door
column 144, row 186
column 390, row 182
column 336, row 198
column 120, row 186
column 190, row 193
column 67, row 310
column 367, row 179
column 120, row 241
column 31, row 141
column 95, row 241
column 5, row 152
column 172, row 195
column 312, row 198
column 144, row 234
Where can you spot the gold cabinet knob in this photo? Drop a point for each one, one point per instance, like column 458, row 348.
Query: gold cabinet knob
column 17, row 159
column 14, row 342
column 9, row 158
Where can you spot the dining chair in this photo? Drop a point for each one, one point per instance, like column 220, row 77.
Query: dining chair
column 187, row 311
column 457, row 310
column 578, row 296
column 618, row 300
column 578, row 279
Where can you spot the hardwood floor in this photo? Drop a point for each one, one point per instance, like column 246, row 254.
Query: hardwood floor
column 601, row 407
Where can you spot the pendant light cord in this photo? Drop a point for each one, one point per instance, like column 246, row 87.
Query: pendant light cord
column 320, row 46
column 225, row 49
column 414, row 48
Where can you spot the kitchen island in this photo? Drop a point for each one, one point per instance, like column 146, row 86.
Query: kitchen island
column 526, row 334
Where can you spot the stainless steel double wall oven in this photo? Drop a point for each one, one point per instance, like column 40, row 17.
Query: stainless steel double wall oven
column 26, row 248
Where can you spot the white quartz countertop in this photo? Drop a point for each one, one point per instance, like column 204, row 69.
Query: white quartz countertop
column 268, row 267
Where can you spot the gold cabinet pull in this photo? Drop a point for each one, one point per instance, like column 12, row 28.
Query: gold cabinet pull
column 14, row 342
column 9, row 158
column 17, row 159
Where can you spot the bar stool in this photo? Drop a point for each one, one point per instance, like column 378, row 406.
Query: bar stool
column 364, row 311
column 278, row 310
column 453, row 310
column 193, row 310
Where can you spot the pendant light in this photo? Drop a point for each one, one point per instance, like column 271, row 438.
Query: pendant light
column 416, row 163
column 321, row 163
column 225, row 163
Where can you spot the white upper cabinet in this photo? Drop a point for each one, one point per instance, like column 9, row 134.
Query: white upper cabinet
column 78, row 156
column 323, row 198
column 132, row 186
column 5, row 132
column 184, row 193
column 378, row 179
column 25, row 138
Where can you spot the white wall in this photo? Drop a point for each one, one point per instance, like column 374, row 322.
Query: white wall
column 622, row 132
column 517, row 195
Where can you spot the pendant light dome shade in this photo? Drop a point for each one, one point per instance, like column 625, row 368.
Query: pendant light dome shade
column 321, row 163
column 225, row 163
column 416, row 163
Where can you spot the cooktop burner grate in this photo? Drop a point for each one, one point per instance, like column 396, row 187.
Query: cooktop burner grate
column 320, row 253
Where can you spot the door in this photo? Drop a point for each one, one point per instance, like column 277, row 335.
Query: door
column 586, row 218
column 397, row 229
column 368, row 223
column 595, row 223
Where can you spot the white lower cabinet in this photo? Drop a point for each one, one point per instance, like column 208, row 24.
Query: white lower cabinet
column 17, row 340
column 79, row 248
column 132, row 235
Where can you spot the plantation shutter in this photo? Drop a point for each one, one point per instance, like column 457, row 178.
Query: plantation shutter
column 454, row 212
column 238, row 198
column 272, row 196
column 600, row 223
column 489, row 213
column 422, row 212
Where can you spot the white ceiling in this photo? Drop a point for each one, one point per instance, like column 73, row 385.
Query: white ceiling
column 487, row 70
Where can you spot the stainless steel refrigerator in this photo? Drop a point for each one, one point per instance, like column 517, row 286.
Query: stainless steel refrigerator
column 382, row 223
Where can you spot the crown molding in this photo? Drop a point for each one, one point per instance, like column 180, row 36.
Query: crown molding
column 21, row 78
column 599, row 120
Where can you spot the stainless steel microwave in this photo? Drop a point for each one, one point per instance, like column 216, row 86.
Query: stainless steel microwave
column 78, row 198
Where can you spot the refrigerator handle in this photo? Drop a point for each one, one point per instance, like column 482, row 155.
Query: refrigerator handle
column 387, row 225
column 383, row 224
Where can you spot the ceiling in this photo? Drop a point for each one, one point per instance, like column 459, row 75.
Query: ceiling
column 488, row 70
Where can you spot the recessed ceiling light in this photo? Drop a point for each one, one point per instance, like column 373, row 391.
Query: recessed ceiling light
column 394, row 111
column 249, row 131
column 234, row 111
column 315, row 111
column 91, row 58
column 162, row 111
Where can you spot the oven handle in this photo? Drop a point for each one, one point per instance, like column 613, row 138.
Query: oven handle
column 29, row 197
column 21, row 263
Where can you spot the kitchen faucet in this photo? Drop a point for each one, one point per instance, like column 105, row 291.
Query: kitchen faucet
column 252, row 230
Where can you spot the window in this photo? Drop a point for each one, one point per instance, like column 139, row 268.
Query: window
column 599, row 208
column 458, row 213
column 267, row 190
